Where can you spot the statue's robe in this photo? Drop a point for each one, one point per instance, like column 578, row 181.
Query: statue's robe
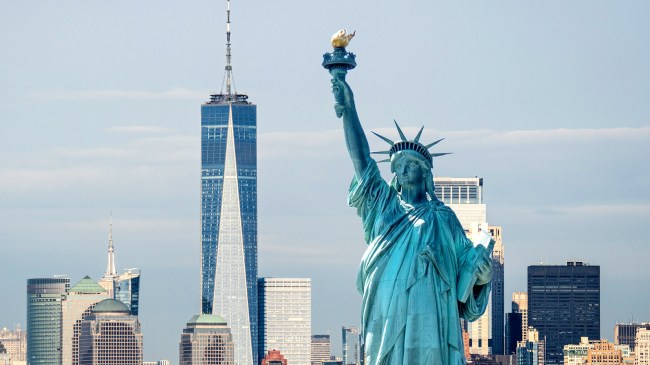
column 409, row 277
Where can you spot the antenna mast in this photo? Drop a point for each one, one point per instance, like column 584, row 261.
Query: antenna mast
column 230, row 80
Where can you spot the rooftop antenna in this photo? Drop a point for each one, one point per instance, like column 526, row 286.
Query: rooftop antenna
column 110, row 266
column 229, row 79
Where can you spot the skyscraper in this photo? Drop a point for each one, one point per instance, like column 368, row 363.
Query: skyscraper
column 285, row 318
column 320, row 349
column 520, row 305
column 229, row 212
column 352, row 346
column 44, row 299
column 127, row 289
column 564, row 305
column 206, row 341
column 78, row 304
column 465, row 197
column 110, row 335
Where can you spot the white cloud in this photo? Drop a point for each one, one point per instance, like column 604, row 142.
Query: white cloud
column 173, row 93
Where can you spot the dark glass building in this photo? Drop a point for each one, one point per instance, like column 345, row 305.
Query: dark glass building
column 513, row 332
column 564, row 305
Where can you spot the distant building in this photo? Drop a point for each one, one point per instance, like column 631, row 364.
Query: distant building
column 642, row 348
column 320, row 349
column 513, row 332
column 110, row 335
column 564, row 305
column 520, row 305
column 127, row 289
column 159, row 362
column 625, row 333
column 206, row 341
column 603, row 352
column 274, row 357
column 78, row 304
column 576, row 354
column 498, row 281
column 44, row 300
column 532, row 351
column 596, row 352
column 285, row 318
column 352, row 346
column 15, row 343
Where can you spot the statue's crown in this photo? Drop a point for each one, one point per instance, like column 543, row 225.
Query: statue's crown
column 404, row 144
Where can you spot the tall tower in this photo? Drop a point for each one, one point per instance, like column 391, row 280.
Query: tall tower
column 285, row 318
column 229, row 211
column 564, row 305
column 44, row 319
column 108, row 280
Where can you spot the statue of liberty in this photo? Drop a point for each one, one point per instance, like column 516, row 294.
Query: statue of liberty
column 420, row 273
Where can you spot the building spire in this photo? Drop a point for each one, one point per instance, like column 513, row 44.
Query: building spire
column 229, row 79
column 110, row 267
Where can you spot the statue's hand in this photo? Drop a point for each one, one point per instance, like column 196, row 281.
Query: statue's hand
column 483, row 267
column 342, row 94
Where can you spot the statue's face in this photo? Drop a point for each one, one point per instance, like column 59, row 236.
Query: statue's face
column 409, row 171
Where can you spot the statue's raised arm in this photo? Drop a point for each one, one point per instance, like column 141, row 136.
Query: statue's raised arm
column 355, row 138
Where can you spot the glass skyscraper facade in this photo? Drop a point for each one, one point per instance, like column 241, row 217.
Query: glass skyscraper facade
column 564, row 305
column 229, row 218
column 352, row 346
column 127, row 290
column 44, row 319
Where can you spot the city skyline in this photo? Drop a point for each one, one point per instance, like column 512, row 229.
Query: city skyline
column 99, row 112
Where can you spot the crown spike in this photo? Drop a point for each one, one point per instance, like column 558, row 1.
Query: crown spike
column 399, row 130
column 386, row 160
column 384, row 138
column 380, row 152
column 433, row 143
column 440, row 154
column 417, row 138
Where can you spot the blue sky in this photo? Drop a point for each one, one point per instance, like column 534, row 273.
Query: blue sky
column 99, row 112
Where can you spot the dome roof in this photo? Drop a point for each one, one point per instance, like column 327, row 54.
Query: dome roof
column 206, row 319
column 111, row 306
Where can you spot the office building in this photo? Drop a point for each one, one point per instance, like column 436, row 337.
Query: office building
column 513, row 332
column 520, row 305
column 285, row 318
column 206, row 340
column 229, row 212
column 642, row 348
column 532, row 351
column 127, row 289
column 497, row 295
column 625, row 333
column 352, row 346
column 320, row 349
column 110, row 335
column 78, row 304
column 44, row 319
column 564, row 305
column 576, row 354
column 159, row 362
column 14, row 343
column 465, row 197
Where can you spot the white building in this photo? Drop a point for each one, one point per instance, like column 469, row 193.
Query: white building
column 15, row 343
column 285, row 318
column 320, row 349
column 642, row 348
